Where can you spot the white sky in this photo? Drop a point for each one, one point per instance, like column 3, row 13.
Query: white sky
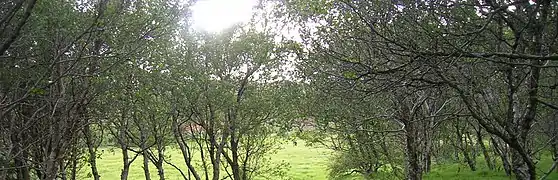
column 216, row 15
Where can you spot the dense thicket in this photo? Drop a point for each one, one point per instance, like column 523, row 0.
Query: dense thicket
column 437, row 69
column 392, row 87
column 78, row 75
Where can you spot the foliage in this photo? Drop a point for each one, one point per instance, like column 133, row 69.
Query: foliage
column 392, row 89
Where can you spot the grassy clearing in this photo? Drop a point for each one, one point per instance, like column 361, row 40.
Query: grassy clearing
column 305, row 163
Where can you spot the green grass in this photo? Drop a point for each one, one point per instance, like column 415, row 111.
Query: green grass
column 457, row 171
column 304, row 163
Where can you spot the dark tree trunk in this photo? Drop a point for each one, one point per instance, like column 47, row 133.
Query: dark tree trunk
column 520, row 168
column 522, row 163
column 217, row 157
column 555, row 151
column 427, row 145
column 63, row 172
column 74, row 163
column 503, row 153
column 413, row 166
column 21, row 155
column 123, row 142
column 485, row 153
column 185, row 149
column 216, row 147
column 37, row 154
column 125, row 162
column 51, row 166
column 470, row 161
column 145, row 155
column 160, row 169
column 464, row 147
column 235, row 166
column 92, row 150
column 160, row 159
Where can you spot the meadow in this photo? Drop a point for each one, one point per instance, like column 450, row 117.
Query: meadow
column 304, row 163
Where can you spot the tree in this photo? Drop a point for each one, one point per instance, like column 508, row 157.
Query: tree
column 490, row 54
column 54, row 58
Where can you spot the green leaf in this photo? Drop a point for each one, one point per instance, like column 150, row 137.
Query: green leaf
column 37, row 91
column 350, row 75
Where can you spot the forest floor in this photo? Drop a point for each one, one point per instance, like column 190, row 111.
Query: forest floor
column 304, row 163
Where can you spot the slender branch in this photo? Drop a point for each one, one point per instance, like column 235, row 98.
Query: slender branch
column 494, row 54
column 18, row 28
column 175, row 167
column 555, row 107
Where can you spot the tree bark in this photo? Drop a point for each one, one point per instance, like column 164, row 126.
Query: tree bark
column 464, row 147
column 413, row 167
column 502, row 152
column 125, row 163
column 20, row 156
column 92, row 150
column 74, row 163
column 63, row 175
column 184, row 148
column 485, row 153
column 145, row 155
column 16, row 32
column 235, row 165
column 161, row 156
column 51, row 166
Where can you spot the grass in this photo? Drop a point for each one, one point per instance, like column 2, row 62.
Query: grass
column 457, row 171
column 304, row 163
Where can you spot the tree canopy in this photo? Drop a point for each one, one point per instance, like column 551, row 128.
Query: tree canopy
column 392, row 88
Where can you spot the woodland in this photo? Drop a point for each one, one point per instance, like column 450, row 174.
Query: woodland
column 393, row 88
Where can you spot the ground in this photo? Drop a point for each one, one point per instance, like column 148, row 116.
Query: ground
column 305, row 163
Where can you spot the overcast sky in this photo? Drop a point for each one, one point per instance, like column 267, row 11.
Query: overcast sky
column 216, row 15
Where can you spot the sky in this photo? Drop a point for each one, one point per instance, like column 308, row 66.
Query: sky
column 216, row 15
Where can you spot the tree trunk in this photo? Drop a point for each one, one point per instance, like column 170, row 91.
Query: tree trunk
column 235, row 166
column 522, row 163
column 123, row 142
column 502, row 152
column 125, row 162
column 145, row 156
column 217, row 157
column 485, row 153
column 51, row 166
column 37, row 154
column 92, row 150
column 74, row 163
column 160, row 169
column 470, row 162
column 185, row 149
column 413, row 167
column 524, row 167
column 21, row 155
column 555, row 151
column 519, row 167
column 464, row 147
column 216, row 148
column 160, row 159
column 427, row 143
column 63, row 172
